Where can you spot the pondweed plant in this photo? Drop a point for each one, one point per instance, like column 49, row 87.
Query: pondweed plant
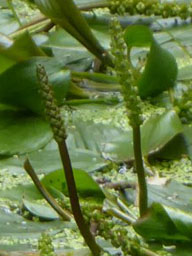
column 129, row 91
column 52, row 113
column 68, row 16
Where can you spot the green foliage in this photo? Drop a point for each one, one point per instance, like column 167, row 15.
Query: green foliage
column 19, row 86
column 125, row 75
column 165, row 223
column 45, row 245
column 152, row 7
column 86, row 186
column 160, row 71
column 98, row 135
column 21, row 133
column 73, row 22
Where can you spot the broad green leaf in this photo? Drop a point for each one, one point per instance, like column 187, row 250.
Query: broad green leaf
column 19, row 85
column 160, row 224
column 63, row 45
column 160, row 72
column 16, row 231
column 87, row 152
column 48, row 160
column 174, row 149
column 172, row 194
column 86, row 186
column 21, row 133
column 22, row 228
column 44, row 212
column 21, row 49
column 17, row 193
column 8, row 23
column 138, row 36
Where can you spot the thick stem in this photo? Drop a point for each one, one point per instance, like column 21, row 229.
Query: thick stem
column 83, row 227
column 29, row 169
column 140, row 170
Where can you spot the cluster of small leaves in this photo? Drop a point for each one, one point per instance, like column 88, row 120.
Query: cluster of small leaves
column 120, row 237
column 92, row 211
column 64, row 203
column 52, row 111
column 184, row 106
column 45, row 245
column 110, row 230
column 124, row 72
column 151, row 7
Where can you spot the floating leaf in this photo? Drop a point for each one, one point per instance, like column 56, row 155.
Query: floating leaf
column 19, row 85
column 165, row 223
column 41, row 211
column 21, row 49
column 86, row 186
column 21, row 133
column 18, row 231
column 160, row 72
column 156, row 132
column 158, row 224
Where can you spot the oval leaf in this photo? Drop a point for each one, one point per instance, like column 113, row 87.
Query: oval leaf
column 160, row 72
column 86, row 186
column 43, row 212
column 19, row 85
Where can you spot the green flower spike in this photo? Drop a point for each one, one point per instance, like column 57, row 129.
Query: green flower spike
column 128, row 78
column 53, row 115
column 126, row 75
column 52, row 111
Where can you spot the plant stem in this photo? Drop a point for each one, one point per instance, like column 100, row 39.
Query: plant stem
column 83, row 227
column 110, row 101
column 140, row 170
column 10, row 4
column 29, row 169
column 32, row 27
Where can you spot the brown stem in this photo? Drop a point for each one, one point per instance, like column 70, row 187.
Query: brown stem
column 29, row 169
column 83, row 227
column 140, row 170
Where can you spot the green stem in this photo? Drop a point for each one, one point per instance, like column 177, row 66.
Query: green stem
column 29, row 169
column 11, row 7
column 32, row 27
column 110, row 101
column 140, row 170
column 171, row 96
column 75, row 205
column 97, row 77
column 87, row 6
